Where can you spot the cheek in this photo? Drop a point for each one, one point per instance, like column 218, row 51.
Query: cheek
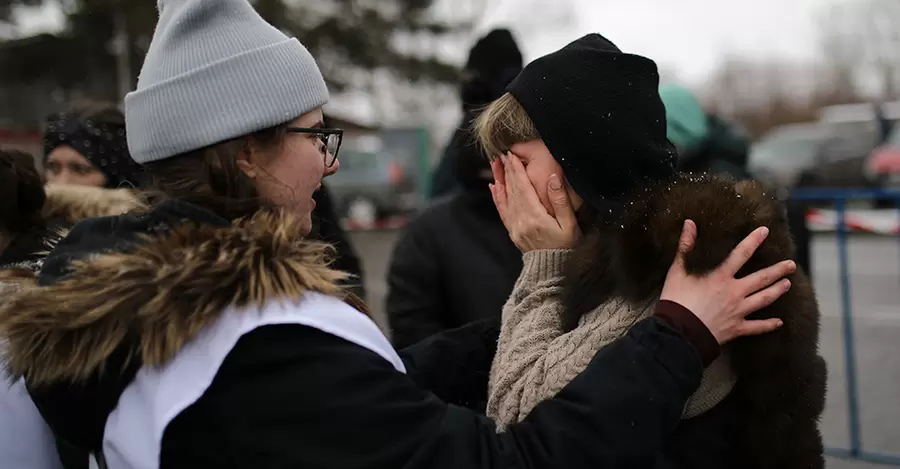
column 540, row 177
column 96, row 179
column 296, row 172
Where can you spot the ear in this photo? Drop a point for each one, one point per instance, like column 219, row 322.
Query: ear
column 245, row 165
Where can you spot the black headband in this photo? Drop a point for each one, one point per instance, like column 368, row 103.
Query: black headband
column 102, row 143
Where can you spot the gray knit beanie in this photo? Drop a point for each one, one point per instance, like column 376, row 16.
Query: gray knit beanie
column 216, row 71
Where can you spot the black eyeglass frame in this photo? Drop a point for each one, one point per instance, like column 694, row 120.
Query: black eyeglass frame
column 323, row 134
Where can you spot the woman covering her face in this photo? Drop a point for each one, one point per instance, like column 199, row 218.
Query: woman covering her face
column 585, row 183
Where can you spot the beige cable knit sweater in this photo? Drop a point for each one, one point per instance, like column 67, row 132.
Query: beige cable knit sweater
column 535, row 359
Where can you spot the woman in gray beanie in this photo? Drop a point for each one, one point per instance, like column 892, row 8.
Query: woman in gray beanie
column 207, row 332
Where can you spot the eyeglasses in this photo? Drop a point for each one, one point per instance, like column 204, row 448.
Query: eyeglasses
column 331, row 139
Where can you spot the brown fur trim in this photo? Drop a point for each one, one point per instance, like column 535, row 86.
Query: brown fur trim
column 781, row 378
column 76, row 203
column 159, row 295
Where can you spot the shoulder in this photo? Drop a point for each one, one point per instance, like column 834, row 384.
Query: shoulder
column 274, row 353
column 435, row 212
column 424, row 228
column 76, row 203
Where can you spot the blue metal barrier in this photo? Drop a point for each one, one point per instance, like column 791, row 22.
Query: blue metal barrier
column 840, row 196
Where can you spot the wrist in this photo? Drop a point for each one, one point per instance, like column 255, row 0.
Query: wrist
column 544, row 264
column 691, row 327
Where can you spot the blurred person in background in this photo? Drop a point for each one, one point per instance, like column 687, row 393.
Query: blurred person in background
column 207, row 332
column 87, row 146
column 22, row 227
column 587, row 187
column 455, row 263
column 326, row 226
column 493, row 62
column 33, row 216
column 707, row 143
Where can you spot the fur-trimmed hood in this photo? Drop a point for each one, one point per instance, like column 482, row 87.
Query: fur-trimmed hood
column 780, row 388
column 64, row 206
column 140, row 286
column 76, row 203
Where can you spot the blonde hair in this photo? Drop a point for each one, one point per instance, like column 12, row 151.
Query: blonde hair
column 502, row 124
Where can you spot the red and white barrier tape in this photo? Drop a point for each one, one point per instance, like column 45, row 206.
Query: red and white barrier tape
column 885, row 221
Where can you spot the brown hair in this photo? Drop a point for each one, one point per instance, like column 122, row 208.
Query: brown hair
column 502, row 124
column 211, row 178
column 21, row 192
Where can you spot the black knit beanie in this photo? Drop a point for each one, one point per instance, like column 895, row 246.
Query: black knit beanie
column 493, row 62
column 102, row 143
column 599, row 113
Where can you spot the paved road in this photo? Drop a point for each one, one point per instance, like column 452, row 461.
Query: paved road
column 875, row 292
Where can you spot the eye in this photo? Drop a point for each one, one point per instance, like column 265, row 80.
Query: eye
column 83, row 170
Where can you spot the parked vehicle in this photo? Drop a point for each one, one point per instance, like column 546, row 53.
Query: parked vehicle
column 781, row 156
column 814, row 154
column 371, row 185
column 883, row 165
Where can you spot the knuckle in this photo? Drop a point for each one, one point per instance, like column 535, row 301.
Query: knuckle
column 746, row 253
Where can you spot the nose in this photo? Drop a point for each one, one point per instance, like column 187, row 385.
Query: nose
column 63, row 177
column 333, row 169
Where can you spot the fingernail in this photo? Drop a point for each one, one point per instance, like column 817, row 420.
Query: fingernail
column 779, row 323
column 765, row 231
column 555, row 183
column 787, row 284
column 792, row 265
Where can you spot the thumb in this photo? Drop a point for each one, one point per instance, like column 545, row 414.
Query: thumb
column 562, row 207
column 686, row 241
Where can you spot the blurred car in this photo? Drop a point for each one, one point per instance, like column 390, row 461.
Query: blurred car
column 841, row 162
column 816, row 154
column 883, row 165
column 371, row 185
column 781, row 156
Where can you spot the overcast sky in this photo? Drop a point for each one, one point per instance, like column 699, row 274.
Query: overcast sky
column 689, row 37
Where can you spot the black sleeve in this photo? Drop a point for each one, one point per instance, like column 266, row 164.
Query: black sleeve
column 292, row 396
column 455, row 364
column 414, row 301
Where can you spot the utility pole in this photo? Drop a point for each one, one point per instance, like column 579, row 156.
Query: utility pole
column 122, row 48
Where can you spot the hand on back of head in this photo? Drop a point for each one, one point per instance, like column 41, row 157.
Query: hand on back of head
column 721, row 301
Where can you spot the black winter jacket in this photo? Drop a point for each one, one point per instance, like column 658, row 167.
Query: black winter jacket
column 454, row 264
column 294, row 396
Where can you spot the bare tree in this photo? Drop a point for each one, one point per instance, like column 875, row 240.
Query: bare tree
column 861, row 38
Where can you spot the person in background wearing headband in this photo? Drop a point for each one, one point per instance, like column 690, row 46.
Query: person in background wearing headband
column 86, row 146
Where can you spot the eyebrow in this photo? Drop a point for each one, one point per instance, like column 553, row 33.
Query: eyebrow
column 318, row 125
